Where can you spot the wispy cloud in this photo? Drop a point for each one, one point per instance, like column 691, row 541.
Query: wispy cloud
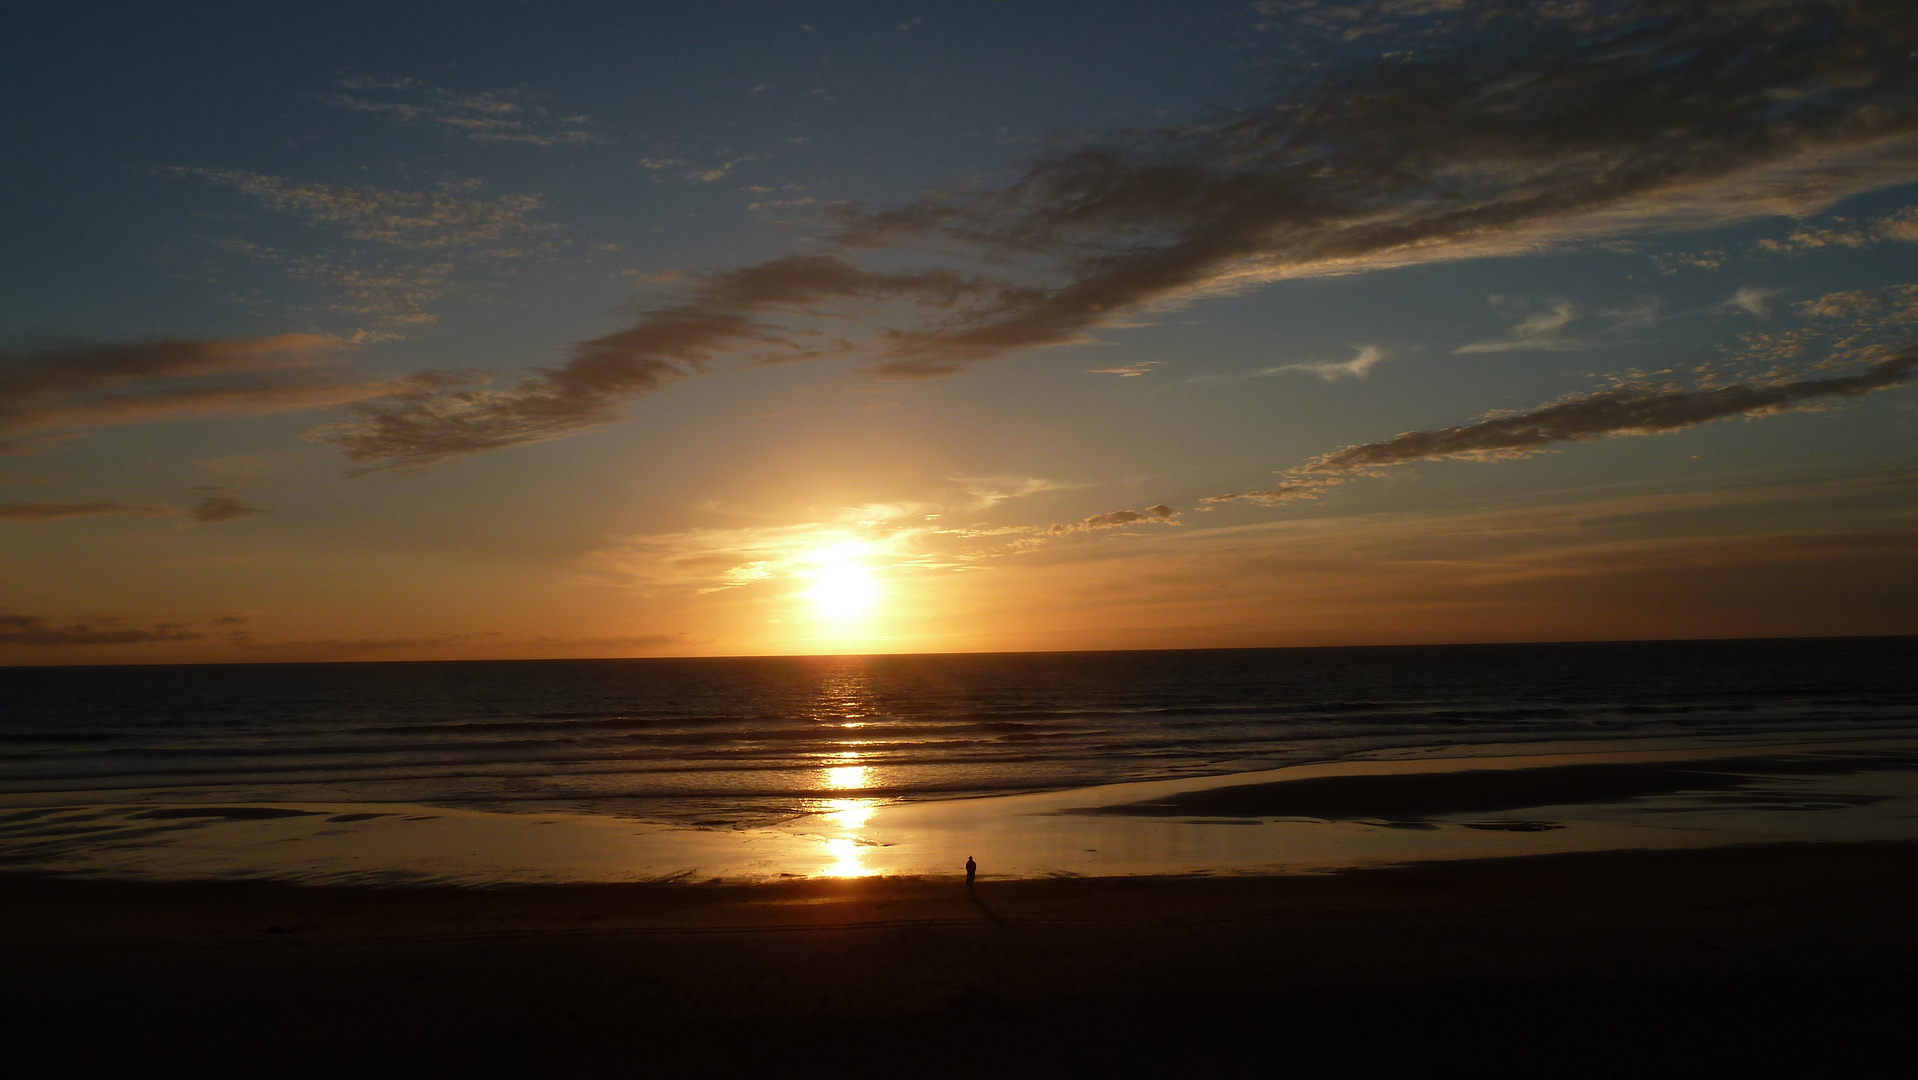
column 1156, row 514
column 39, row 630
column 366, row 644
column 53, row 511
column 895, row 540
column 1331, row 370
column 769, row 312
column 1541, row 331
column 615, row 641
column 498, row 116
column 451, row 215
column 1752, row 301
column 1457, row 131
column 393, row 296
column 1633, row 409
column 1509, row 126
column 658, row 167
column 80, row 386
column 215, row 506
column 1676, row 563
column 988, row 491
column 1126, row 371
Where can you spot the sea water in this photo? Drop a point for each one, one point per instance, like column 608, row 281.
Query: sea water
column 745, row 744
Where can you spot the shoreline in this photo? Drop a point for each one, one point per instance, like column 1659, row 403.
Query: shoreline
column 1550, row 951
column 1460, row 803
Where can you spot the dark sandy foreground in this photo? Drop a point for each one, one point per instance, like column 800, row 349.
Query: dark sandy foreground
column 1770, row 960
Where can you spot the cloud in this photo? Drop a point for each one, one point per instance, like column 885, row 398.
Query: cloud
column 500, row 116
column 638, row 641
column 1284, row 491
column 1675, row 563
column 1703, row 260
column 80, row 386
column 218, row 506
column 448, row 216
column 1510, row 126
column 1126, row 371
column 1901, row 226
column 1152, row 514
column 1753, row 301
column 892, row 540
column 38, row 630
column 1630, row 410
column 1624, row 410
column 761, row 310
column 988, row 491
column 366, row 644
column 394, row 296
column 1356, row 368
column 1398, row 137
column 1538, row 332
column 50, row 511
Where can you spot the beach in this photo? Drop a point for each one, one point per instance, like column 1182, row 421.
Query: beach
column 1694, row 859
column 1758, row 957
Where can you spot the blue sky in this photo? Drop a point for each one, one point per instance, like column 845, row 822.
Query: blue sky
column 591, row 329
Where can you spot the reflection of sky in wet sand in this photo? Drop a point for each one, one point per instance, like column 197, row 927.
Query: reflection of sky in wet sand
column 1874, row 795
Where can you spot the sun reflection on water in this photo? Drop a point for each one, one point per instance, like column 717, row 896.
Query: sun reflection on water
column 849, row 813
column 845, row 854
column 844, row 701
column 846, row 777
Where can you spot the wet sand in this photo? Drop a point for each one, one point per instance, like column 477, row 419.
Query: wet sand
column 1757, row 959
column 1416, row 797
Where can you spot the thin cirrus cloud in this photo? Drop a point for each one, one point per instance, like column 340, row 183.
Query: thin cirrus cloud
column 500, row 116
column 42, row 631
column 54, row 511
column 1625, row 410
column 51, row 391
column 1460, row 131
column 1358, row 367
column 393, row 296
column 1126, row 371
column 450, row 215
column 1542, row 331
column 404, row 246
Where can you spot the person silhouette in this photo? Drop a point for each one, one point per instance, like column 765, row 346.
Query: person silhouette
column 972, row 868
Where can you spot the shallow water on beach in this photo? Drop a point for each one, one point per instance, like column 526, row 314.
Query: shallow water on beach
column 614, row 770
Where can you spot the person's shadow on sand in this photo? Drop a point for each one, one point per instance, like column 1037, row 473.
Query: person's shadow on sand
column 972, row 872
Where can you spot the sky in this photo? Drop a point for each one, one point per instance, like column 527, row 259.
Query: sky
column 447, row 331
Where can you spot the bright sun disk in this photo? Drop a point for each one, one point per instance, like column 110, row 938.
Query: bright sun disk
column 842, row 586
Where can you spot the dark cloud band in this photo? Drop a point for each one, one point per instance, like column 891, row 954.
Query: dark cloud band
column 1626, row 411
column 38, row 630
column 1630, row 410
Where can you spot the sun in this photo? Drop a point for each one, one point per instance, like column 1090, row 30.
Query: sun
column 843, row 587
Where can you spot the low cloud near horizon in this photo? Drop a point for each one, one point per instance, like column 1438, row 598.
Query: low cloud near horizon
column 54, row 511
column 39, row 630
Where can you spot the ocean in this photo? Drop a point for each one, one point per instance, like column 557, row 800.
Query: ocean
column 744, row 744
